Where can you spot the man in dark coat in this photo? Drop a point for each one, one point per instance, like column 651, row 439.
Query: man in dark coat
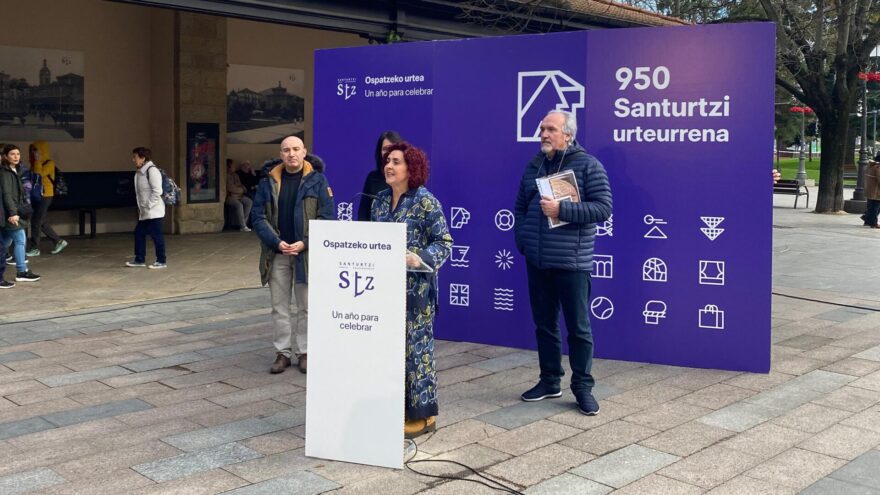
column 559, row 260
column 292, row 193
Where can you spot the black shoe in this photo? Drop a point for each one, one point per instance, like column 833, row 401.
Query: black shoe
column 6, row 285
column 541, row 391
column 27, row 276
column 587, row 403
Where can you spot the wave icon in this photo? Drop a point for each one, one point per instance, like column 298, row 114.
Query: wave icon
column 458, row 256
column 503, row 299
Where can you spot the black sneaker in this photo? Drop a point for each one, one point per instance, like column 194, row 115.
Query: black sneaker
column 587, row 404
column 6, row 285
column 27, row 276
column 541, row 391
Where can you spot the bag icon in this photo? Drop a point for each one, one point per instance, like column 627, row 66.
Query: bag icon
column 711, row 317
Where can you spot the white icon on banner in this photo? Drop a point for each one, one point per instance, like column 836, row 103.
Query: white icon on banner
column 459, row 294
column 346, row 87
column 711, row 229
column 654, row 232
column 602, row 308
column 459, row 217
column 504, row 259
column 654, row 310
column 711, row 272
column 568, row 93
column 654, row 270
column 606, row 227
column 711, row 317
column 504, row 220
column 603, row 266
column 458, row 256
column 503, row 299
column 344, row 212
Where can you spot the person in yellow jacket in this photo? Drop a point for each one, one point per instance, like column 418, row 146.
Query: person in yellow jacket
column 43, row 165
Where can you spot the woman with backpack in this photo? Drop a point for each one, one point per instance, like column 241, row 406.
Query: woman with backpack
column 151, row 209
column 16, row 210
column 43, row 166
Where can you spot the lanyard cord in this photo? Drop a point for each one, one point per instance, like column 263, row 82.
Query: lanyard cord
column 558, row 168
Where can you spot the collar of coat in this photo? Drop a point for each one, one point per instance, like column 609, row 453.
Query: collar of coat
column 276, row 172
column 146, row 166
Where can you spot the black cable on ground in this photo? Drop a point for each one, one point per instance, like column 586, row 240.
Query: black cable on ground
column 808, row 299
column 501, row 486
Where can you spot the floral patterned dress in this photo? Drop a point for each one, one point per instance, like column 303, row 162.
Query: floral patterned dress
column 427, row 236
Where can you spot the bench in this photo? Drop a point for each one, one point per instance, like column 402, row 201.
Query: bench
column 792, row 187
column 89, row 191
column 850, row 171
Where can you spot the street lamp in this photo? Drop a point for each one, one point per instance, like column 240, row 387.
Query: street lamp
column 874, row 134
column 802, row 169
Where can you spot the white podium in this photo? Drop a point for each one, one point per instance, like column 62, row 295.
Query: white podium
column 357, row 325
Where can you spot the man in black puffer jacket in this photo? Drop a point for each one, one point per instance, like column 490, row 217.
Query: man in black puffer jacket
column 559, row 260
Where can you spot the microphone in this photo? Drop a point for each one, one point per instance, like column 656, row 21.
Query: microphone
column 355, row 195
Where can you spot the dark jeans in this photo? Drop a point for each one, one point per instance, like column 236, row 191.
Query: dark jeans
column 548, row 290
column 870, row 216
column 39, row 223
column 152, row 228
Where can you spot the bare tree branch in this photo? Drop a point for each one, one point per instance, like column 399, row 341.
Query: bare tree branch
column 793, row 89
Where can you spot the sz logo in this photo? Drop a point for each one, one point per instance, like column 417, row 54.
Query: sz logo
column 346, row 87
column 540, row 90
column 360, row 283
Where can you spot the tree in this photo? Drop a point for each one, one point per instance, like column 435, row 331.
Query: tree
column 513, row 16
column 821, row 48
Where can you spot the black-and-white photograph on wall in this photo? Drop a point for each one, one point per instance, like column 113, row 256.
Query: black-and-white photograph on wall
column 41, row 94
column 264, row 104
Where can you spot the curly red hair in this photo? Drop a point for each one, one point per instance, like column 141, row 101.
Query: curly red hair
column 416, row 163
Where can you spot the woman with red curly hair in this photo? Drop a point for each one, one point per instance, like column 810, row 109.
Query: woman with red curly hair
column 428, row 246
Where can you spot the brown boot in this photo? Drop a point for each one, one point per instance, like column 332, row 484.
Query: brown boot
column 413, row 428
column 281, row 363
column 303, row 362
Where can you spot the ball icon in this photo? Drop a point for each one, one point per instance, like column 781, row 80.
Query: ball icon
column 602, row 308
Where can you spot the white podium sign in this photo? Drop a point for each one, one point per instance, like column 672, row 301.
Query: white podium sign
column 357, row 325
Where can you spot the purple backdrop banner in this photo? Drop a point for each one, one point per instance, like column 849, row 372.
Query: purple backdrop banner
column 681, row 118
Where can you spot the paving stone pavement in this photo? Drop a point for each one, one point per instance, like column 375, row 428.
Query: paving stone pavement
column 152, row 395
